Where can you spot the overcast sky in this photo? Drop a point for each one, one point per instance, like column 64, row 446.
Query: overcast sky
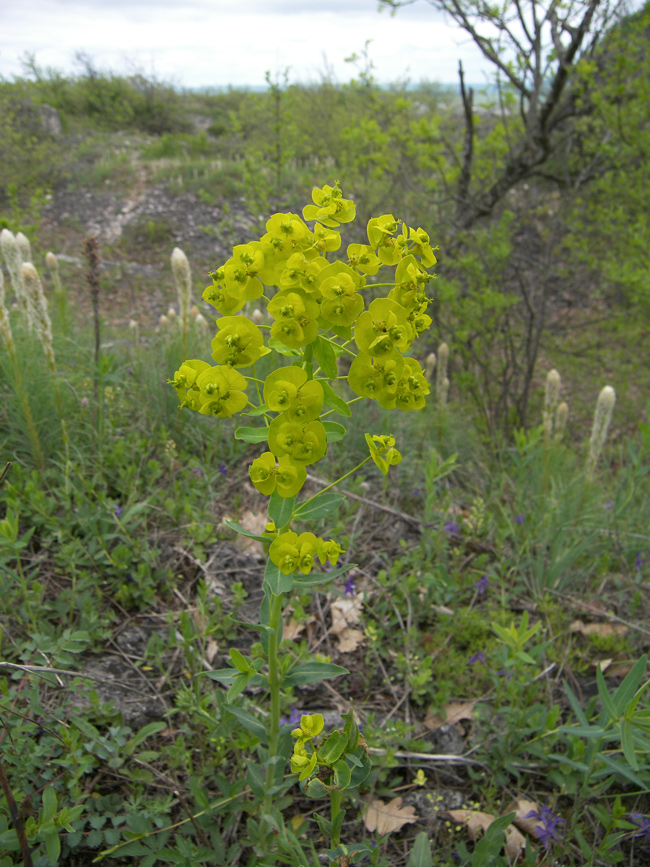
column 196, row 43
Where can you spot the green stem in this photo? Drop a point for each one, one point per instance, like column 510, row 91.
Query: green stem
column 330, row 411
column 335, row 796
column 275, row 616
column 339, row 345
column 333, row 484
column 257, row 384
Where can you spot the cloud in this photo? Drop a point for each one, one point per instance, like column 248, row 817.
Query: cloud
column 221, row 42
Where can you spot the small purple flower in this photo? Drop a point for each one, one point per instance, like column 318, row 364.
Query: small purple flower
column 644, row 827
column 477, row 657
column 198, row 472
column 482, row 585
column 417, row 492
column 547, row 830
column 608, row 505
column 118, row 511
column 450, row 528
column 639, row 560
column 350, row 586
column 223, row 469
column 519, row 519
column 504, row 673
column 293, row 718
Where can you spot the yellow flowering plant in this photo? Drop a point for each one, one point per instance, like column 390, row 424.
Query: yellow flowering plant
column 319, row 311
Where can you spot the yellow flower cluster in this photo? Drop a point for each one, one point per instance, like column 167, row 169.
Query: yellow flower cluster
column 317, row 310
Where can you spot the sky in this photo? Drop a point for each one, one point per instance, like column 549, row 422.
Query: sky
column 216, row 43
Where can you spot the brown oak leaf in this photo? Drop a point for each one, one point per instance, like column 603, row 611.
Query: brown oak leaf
column 385, row 818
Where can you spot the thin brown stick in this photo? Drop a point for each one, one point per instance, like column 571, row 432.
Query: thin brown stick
column 411, row 518
column 16, row 819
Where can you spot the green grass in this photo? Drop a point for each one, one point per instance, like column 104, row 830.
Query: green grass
column 122, row 530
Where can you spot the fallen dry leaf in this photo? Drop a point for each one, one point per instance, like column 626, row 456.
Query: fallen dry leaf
column 211, row 650
column 349, row 640
column 385, row 818
column 603, row 629
column 346, row 611
column 454, row 713
column 515, row 844
column 291, row 630
column 477, row 824
column 475, row 821
column 522, row 808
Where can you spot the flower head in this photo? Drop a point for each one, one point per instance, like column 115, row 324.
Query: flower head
column 547, row 830
column 482, row 584
column 643, row 823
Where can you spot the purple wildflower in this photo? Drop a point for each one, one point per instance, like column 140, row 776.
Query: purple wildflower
column 482, row 584
column 450, row 528
column 198, row 472
column 293, row 718
column 504, row 673
column 608, row 505
column 118, row 511
column 350, row 586
column 639, row 560
column 519, row 519
column 644, row 827
column 223, row 469
column 477, row 657
column 547, row 830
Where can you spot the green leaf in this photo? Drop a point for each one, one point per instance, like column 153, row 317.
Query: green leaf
column 334, row 430
column 605, row 697
column 276, row 344
column 619, row 768
column 252, row 434
column 221, row 675
column 281, row 509
column 244, row 532
column 352, row 851
column 312, row 672
column 342, row 774
column 255, row 779
column 361, row 765
column 86, row 728
column 301, row 581
column 333, row 747
column 53, row 846
column 575, row 704
column 333, row 400
column 627, row 742
column 239, row 661
column 321, row 507
column 326, row 357
column 626, row 691
column 250, row 723
column 49, row 804
column 238, row 686
column 150, row 729
column 421, row 852
column 277, row 581
column 258, row 410
column 316, row 789
column 325, row 825
column 132, row 511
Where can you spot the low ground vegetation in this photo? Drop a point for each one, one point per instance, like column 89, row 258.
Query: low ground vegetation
column 495, row 622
